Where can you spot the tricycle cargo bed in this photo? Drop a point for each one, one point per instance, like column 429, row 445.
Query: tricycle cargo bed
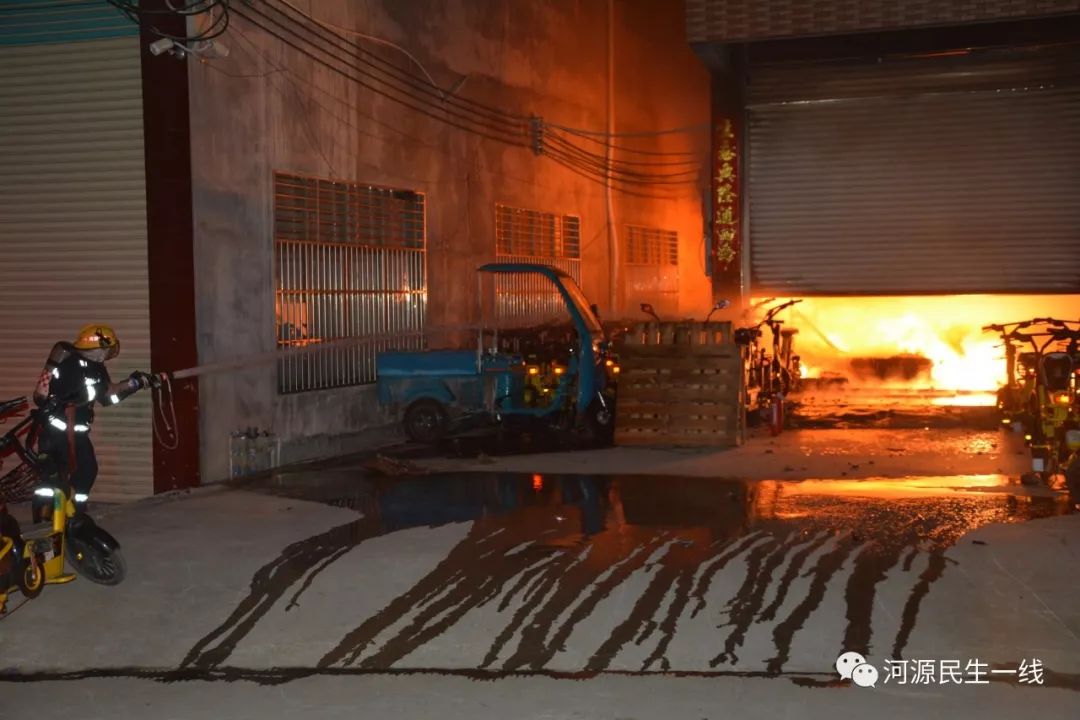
column 429, row 362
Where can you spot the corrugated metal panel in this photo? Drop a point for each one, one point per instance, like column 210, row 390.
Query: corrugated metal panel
column 892, row 179
column 34, row 22
column 73, row 229
column 524, row 235
column 651, row 256
column 740, row 20
column 522, row 300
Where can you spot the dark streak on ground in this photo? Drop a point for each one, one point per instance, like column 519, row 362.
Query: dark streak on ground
column 283, row 675
column 559, row 550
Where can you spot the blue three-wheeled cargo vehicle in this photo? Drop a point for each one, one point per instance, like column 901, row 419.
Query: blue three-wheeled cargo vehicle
column 558, row 375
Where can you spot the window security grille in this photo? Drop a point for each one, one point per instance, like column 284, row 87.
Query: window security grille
column 651, row 246
column 350, row 265
column 532, row 236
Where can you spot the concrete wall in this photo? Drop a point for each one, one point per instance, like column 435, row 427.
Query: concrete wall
column 267, row 107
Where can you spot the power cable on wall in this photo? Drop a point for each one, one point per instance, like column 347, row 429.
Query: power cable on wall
column 407, row 139
column 184, row 9
column 605, row 143
column 324, row 44
column 699, row 128
column 369, row 38
column 492, row 119
column 642, row 163
column 391, row 75
column 604, row 163
column 452, row 120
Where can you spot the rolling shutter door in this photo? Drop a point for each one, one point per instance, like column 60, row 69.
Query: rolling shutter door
column 934, row 175
column 73, row 246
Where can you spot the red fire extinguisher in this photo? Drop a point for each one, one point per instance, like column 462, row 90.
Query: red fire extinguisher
column 776, row 415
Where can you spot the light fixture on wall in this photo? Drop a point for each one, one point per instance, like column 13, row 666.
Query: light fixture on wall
column 162, row 45
column 206, row 49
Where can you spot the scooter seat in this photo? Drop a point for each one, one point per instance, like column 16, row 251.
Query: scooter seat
column 38, row 533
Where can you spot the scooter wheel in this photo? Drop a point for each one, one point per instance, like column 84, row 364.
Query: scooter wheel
column 31, row 577
column 104, row 567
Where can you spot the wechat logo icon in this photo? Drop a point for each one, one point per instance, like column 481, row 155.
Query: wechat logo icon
column 853, row 666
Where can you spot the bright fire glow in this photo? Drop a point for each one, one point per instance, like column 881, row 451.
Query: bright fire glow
column 943, row 329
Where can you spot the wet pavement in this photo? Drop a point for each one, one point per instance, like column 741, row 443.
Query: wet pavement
column 542, row 554
column 301, row 580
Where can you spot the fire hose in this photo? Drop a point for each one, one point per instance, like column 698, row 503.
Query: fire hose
column 166, row 429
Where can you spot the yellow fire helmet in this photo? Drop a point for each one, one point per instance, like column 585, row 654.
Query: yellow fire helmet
column 98, row 337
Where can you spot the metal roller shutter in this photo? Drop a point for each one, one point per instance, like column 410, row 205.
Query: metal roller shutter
column 73, row 246
column 737, row 20
column 933, row 175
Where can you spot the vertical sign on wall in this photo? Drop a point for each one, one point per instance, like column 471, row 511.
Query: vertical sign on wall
column 725, row 226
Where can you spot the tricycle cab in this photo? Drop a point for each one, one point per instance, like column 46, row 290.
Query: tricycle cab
column 434, row 389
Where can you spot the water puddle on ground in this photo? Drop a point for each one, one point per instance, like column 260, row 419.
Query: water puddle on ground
column 547, row 550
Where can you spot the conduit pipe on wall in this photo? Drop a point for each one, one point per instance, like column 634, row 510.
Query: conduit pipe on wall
column 613, row 240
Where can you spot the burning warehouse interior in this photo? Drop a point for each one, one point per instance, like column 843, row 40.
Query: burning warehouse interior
column 635, row 357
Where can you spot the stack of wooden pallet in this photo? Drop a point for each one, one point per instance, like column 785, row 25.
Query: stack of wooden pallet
column 680, row 385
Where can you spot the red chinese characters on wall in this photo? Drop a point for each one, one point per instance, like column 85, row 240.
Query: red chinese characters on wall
column 726, row 196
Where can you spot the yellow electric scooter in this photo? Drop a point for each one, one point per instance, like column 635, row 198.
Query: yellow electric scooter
column 31, row 560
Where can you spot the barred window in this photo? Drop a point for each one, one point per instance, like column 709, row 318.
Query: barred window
column 536, row 234
column 651, row 246
column 349, row 262
column 544, row 238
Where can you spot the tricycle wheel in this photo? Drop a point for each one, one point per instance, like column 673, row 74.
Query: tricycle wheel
column 600, row 423
column 1072, row 478
column 426, row 421
column 31, row 577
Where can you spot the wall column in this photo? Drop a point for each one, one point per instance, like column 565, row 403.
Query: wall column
column 167, row 142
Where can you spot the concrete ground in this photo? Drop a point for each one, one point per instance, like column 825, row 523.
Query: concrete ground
column 606, row 584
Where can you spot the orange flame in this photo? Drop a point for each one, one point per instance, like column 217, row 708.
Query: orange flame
column 943, row 329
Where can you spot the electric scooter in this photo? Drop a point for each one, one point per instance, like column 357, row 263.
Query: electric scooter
column 1052, row 402
column 36, row 558
column 1020, row 371
column 772, row 376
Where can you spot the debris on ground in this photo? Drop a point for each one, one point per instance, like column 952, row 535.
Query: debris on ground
column 393, row 467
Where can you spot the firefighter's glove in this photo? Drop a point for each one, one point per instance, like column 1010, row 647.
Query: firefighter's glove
column 139, row 380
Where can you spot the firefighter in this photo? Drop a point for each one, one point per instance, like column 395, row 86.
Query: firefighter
column 74, row 378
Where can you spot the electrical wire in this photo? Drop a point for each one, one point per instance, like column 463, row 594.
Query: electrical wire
column 134, row 12
column 405, row 139
column 694, row 160
column 626, row 148
column 489, row 118
column 325, row 45
column 615, row 166
column 602, row 172
column 604, row 169
column 387, row 72
column 700, row 127
column 453, row 117
column 603, row 181
column 369, row 38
